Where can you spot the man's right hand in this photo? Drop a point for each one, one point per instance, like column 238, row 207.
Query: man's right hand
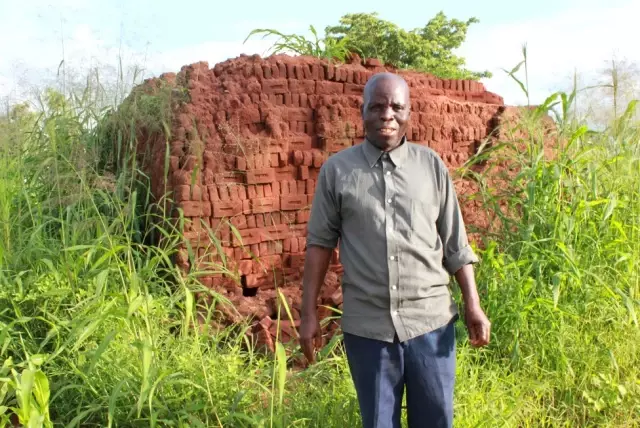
column 310, row 335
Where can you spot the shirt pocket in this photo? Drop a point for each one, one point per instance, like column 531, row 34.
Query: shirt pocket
column 424, row 233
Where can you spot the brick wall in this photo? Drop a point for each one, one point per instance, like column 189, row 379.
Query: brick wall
column 246, row 149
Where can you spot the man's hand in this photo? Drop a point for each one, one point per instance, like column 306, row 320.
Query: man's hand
column 310, row 336
column 478, row 325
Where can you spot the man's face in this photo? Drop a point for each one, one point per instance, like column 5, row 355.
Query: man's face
column 385, row 112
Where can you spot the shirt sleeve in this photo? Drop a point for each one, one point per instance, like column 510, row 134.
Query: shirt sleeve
column 451, row 227
column 323, row 228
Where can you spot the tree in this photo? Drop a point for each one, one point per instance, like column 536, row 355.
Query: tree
column 428, row 49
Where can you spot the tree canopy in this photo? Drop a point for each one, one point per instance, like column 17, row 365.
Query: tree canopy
column 428, row 49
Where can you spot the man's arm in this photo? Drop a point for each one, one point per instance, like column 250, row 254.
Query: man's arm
column 323, row 232
column 459, row 258
column 477, row 322
column 316, row 264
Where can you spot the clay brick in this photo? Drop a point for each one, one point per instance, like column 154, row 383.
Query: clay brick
column 330, row 71
column 182, row 193
column 302, row 86
column 297, row 158
column 239, row 221
column 336, row 145
column 226, row 208
column 329, row 88
column 303, row 100
column 252, row 192
column 300, row 114
column 290, row 71
column 303, row 172
column 310, row 187
column 241, row 164
column 257, row 71
column 302, row 216
column 302, row 243
column 245, row 267
column 300, row 127
column 255, row 250
column 295, row 100
column 275, row 86
column 266, row 188
column 292, row 202
column 353, row 89
column 259, row 220
column 264, row 205
column 259, row 191
column 308, row 158
column 275, row 188
column 284, row 188
column 251, row 222
column 273, row 159
column 283, row 159
column 266, row 175
column 286, row 245
column 294, row 246
column 318, row 158
column 301, row 187
column 266, row 71
column 286, row 172
column 301, row 142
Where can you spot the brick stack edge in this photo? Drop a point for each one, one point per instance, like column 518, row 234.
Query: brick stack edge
column 247, row 147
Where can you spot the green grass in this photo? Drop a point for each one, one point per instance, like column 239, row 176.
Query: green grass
column 97, row 328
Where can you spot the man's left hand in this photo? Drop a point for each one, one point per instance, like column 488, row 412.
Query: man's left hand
column 478, row 325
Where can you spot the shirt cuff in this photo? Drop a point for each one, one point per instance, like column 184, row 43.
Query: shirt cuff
column 464, row 256
column 321, row 242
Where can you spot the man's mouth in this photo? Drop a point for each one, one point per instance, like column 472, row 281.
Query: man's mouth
column 386, row 130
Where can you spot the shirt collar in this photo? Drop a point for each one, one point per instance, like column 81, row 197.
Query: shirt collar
column 397, row 155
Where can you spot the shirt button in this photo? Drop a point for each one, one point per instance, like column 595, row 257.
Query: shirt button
column 395, row 312
column 389, row 200
column 393, row 287
column 392, row 258
column 388, row 172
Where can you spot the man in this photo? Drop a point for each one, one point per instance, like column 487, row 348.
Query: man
column 392, row 206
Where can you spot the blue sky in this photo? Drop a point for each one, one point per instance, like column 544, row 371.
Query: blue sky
column 162, row 35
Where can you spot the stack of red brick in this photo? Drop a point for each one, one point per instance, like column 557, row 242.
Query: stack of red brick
column 247, row 146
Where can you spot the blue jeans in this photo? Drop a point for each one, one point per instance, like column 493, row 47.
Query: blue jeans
column 424, row 365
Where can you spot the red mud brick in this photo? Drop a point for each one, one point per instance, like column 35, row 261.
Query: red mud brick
column 302, row 86
column 275, row 86
column 251, row 222
column 298, row 158
column 265, row 175
column 286, row 173
column 293, row 202
column 302, row 142
column 239, row 221
column 310, row 187
column 318, row 158
column 195, row 208
column 303, row 172
column 259, row 220
column 301, row 187
column 329, row 88
column 226, row 208
column 264, row 205
column 259, row 191
column 308, row 158
column 353, row 89
column 268, row 192
column 303, row 100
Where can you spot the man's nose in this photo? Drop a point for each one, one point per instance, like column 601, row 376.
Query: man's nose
column 387, row 114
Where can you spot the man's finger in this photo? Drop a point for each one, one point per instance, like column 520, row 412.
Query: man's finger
column 308, row 350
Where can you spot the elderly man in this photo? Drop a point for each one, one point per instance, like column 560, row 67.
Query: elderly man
column 392, row 206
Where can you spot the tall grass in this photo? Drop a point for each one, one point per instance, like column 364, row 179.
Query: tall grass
column 98, row 328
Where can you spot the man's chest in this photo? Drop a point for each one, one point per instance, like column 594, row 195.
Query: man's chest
column 390, row 200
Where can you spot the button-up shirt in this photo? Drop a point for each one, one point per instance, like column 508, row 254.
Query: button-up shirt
column 401, row 235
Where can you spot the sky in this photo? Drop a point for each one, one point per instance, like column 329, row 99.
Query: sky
column 562, row 36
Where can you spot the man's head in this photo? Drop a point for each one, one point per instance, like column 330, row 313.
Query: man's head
column 386, row 110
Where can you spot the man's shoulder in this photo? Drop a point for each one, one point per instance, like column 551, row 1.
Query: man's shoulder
column 346, row 156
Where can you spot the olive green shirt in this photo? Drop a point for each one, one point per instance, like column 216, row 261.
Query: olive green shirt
column 397, row 220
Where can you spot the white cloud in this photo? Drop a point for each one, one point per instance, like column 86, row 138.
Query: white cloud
column 579, row 39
